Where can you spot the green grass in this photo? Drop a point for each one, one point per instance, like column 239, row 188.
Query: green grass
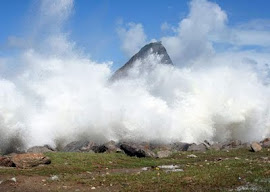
column 210, row 171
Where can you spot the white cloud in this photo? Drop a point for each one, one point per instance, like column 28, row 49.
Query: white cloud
column 132, row 37
column 191, row 40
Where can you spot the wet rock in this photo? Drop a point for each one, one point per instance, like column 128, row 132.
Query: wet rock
column 255, row 147
column 216, row 146
column 159, row 147
column 164, row 154
column 138, row 150
column 109, row 147
column 80, row 146
column 266, row 142
column 6, row 162
column 194, row 147
column 28, row 160
column 234, row 144
column 180, row 146
column 40, row 149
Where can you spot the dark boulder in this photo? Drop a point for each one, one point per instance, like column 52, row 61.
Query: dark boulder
column 109, row 147
column 138, row 150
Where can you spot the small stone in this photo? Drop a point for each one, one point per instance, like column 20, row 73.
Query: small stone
column 144, row 168
column 236, row 158
column 54, row 178
column 13, row 179
column 93, row 188
column 255, row 147
column 191, row 156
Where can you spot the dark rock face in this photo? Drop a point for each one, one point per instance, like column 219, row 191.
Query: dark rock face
column 138, row 150
column 109, row 147
column 152, row 48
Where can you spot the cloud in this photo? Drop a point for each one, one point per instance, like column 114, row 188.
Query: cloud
column 191, row 40
column 132, row 38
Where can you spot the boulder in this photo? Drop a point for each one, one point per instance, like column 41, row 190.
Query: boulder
column 80, row 146
column 6, row 162
column 216, row 146
column 164, row 154
column 28, row 160
column 194, row 147
column 255, row 147
column 266, row 142
column 180, row 146
column 109, row 147
column 138, row 150
column 159, row 147
column 40, row 149
column 233, row 144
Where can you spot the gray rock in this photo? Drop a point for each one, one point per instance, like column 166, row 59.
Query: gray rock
column 134, row 149
column 159, row 147
column 255, row 147
column 164, row 154
column 80, row 146
column 152, row 48
column 216, row 146
column 40, row 149
column 109, row 147
column 266, row 142
column 180, row 146
column 194, row 147
column 234, row 144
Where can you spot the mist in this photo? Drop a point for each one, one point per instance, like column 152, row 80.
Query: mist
column 57, row 94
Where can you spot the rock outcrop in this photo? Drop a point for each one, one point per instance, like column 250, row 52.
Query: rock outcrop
column 156, row 49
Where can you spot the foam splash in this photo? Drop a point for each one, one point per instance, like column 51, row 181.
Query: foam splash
column 61, row 96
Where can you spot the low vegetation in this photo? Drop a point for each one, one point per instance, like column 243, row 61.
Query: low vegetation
column 234, row 170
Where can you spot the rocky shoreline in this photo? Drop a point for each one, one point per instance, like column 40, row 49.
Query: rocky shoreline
column 34, row 156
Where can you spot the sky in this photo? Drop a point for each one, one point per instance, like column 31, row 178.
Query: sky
column 100, row 28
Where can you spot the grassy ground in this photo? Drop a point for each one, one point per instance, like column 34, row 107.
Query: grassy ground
column 237, row 170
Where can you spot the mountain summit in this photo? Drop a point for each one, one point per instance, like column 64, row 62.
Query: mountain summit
column 156, row 49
